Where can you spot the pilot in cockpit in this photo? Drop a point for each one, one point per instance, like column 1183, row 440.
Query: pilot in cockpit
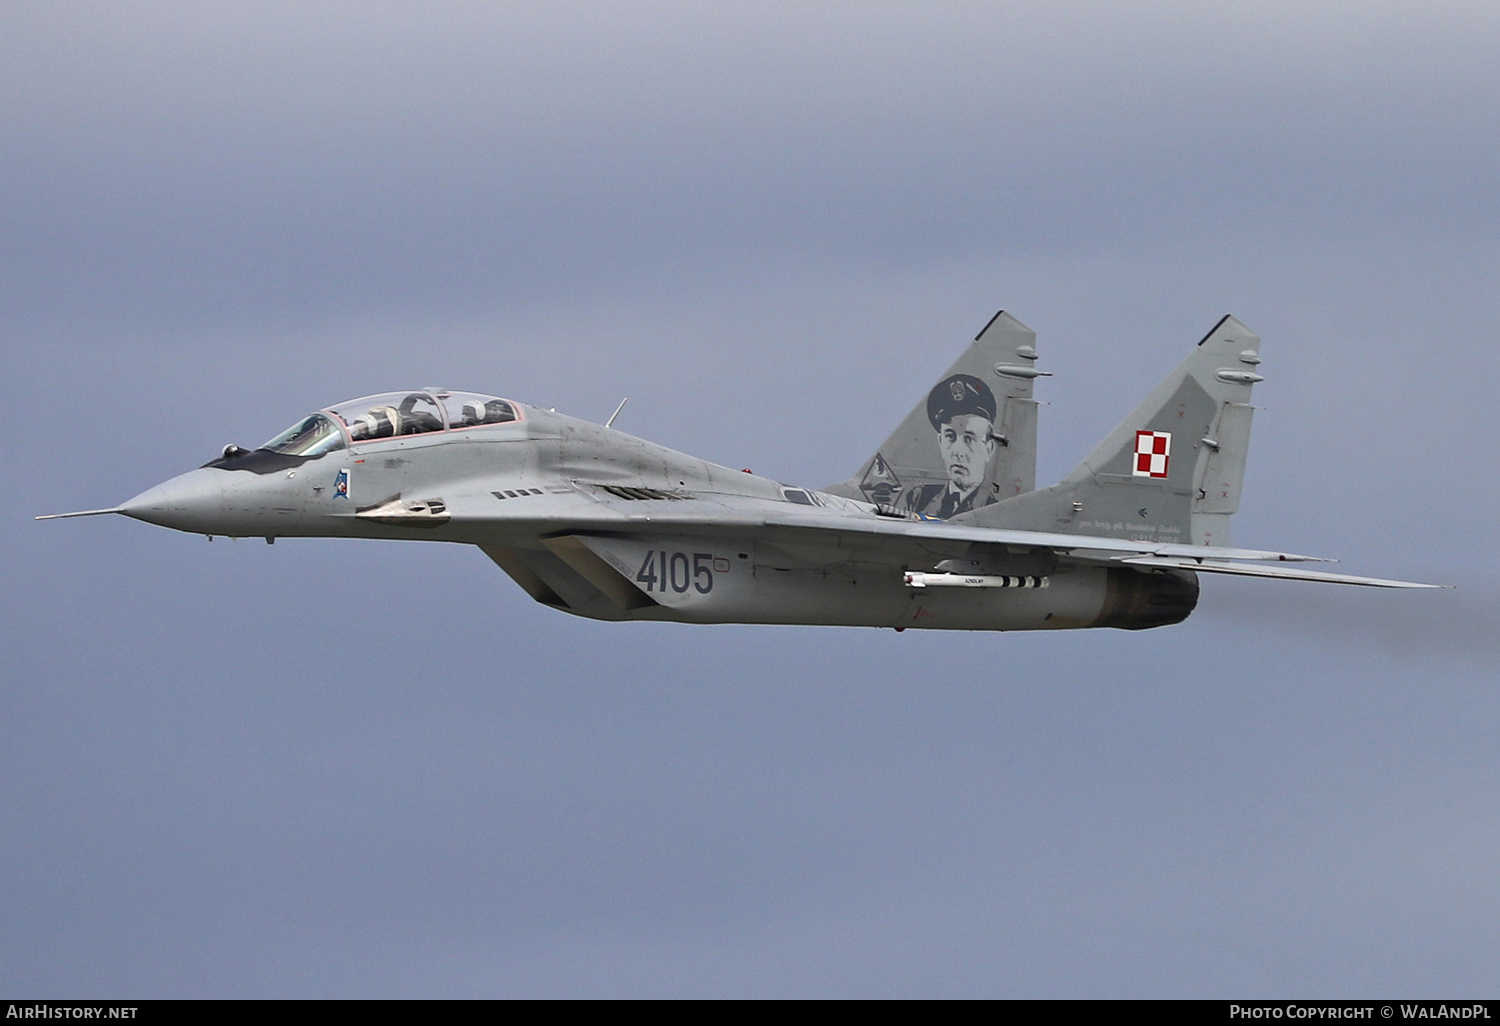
column 394, row 414
column 472, row 415
column 380, row 422
column 415, row 416
column 415, row 421
column 480, row 411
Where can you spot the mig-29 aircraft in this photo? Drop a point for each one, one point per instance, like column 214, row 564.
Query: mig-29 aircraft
column 941, row 528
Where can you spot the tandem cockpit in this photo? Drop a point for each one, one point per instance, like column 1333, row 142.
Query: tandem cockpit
column 374, row 417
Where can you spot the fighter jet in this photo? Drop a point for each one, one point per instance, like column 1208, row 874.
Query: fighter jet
column 941, row 528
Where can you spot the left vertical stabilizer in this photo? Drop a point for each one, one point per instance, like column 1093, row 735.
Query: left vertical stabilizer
column 971, row 441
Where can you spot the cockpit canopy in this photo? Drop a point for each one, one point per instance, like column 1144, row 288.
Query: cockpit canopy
column 389, row 415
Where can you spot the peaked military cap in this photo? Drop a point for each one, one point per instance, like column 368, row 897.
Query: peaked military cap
column 958, row 395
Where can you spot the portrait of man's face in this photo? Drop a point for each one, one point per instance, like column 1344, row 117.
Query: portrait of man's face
column 962, row 412
column 967, row 443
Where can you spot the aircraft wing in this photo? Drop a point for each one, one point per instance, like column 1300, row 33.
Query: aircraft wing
column 1080, row 545
column 772, row 521
column 1101, row 550
column 717, row 513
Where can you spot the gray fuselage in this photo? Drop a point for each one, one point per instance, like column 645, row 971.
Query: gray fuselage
column 601, row 524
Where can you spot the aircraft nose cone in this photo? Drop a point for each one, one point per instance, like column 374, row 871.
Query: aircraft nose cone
column 189, row 502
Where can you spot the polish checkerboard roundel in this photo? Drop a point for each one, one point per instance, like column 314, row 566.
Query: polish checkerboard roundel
column 1153, row 450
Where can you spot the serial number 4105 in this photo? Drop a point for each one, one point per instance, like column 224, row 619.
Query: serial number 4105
column 679, row 571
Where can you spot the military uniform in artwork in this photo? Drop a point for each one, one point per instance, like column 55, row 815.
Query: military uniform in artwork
column 944, row 501
column 961, row 410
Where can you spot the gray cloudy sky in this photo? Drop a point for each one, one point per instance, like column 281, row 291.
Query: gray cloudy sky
column 372, row 769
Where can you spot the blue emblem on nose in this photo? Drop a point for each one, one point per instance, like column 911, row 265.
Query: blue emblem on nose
column 341, row 485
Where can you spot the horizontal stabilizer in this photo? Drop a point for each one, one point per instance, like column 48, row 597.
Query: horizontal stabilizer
column 1285, row 573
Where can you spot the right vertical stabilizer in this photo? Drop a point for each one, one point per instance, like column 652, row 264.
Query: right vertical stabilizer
column 1170, row 471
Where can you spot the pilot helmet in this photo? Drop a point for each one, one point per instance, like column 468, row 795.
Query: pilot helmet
column 384, row 421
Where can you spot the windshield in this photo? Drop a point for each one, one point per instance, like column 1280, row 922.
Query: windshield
column 311, row 436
